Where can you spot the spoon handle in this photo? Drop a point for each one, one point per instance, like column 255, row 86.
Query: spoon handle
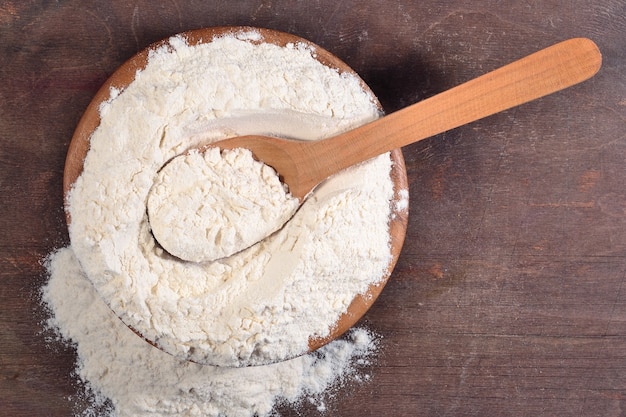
column 544, row 72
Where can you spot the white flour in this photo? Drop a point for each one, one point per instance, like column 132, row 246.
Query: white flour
column 263, row 304
column 142, row 381
column 210, row 205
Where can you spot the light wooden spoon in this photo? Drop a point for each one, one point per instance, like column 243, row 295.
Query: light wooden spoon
column 303, row 164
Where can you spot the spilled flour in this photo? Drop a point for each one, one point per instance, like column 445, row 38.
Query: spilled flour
column 140, row 380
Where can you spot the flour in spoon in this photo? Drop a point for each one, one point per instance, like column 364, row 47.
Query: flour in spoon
column 264, row 303
column 209, row 205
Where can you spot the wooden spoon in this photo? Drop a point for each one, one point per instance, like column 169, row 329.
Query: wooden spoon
column 303, row 165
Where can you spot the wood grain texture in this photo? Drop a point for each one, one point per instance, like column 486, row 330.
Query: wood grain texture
column 508, row 297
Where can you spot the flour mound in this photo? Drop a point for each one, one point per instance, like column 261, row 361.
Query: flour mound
column 262, row 304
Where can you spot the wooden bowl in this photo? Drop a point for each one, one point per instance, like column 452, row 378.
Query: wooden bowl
column 125, row 74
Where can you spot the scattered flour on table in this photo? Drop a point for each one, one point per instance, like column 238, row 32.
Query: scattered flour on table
column 139, row 380
column 402, row 203
column 209, row 205
column 262, row 304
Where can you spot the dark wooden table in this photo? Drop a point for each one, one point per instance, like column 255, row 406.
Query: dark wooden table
column 509, row 295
